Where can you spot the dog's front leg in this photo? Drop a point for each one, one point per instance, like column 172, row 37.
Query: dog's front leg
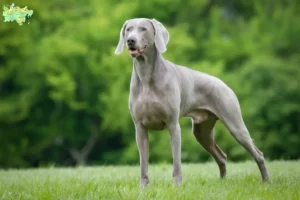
column 175, row 133
column 141, row 134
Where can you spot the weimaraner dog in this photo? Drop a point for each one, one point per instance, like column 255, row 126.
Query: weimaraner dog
column 161, row 92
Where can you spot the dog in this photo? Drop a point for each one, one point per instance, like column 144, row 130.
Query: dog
column 162, row 92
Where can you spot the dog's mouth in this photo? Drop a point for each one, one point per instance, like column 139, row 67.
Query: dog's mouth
column 136, row 52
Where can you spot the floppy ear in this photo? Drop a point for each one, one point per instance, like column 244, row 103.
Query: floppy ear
column 120, row 46
column 161, row 36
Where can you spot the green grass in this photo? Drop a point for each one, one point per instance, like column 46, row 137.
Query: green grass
column 200, row 181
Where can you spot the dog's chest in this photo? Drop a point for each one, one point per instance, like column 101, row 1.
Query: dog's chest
column 148, row 109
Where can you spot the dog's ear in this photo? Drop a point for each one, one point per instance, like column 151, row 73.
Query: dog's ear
column 161, row 36
column 120, row 46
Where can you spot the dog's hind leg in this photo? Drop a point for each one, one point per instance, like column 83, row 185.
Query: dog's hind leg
column 231, row 116
column 226, row 107
column 204, row 134
column 240, row 132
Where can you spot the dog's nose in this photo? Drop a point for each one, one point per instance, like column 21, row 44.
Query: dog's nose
column 131, row 41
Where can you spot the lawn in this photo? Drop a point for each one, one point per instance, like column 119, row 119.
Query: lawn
column 200, row 181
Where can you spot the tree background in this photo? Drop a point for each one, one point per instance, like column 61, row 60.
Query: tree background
column 64, row 93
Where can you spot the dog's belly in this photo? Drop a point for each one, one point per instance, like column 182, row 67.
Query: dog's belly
column 151, row 114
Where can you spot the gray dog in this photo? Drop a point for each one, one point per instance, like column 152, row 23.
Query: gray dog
column 161, row 92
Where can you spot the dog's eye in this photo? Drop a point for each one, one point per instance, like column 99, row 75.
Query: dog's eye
column 128, row 29
column 143, row 29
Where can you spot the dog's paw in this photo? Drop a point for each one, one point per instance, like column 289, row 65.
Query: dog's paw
column 177, row 180
column 143, row 186
column 144, row 183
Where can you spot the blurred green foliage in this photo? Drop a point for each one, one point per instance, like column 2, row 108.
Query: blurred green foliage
column 64, row 93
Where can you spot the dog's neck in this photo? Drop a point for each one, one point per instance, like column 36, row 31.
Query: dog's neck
column 145, row 65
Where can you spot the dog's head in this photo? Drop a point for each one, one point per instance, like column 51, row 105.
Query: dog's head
column 140, row 34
